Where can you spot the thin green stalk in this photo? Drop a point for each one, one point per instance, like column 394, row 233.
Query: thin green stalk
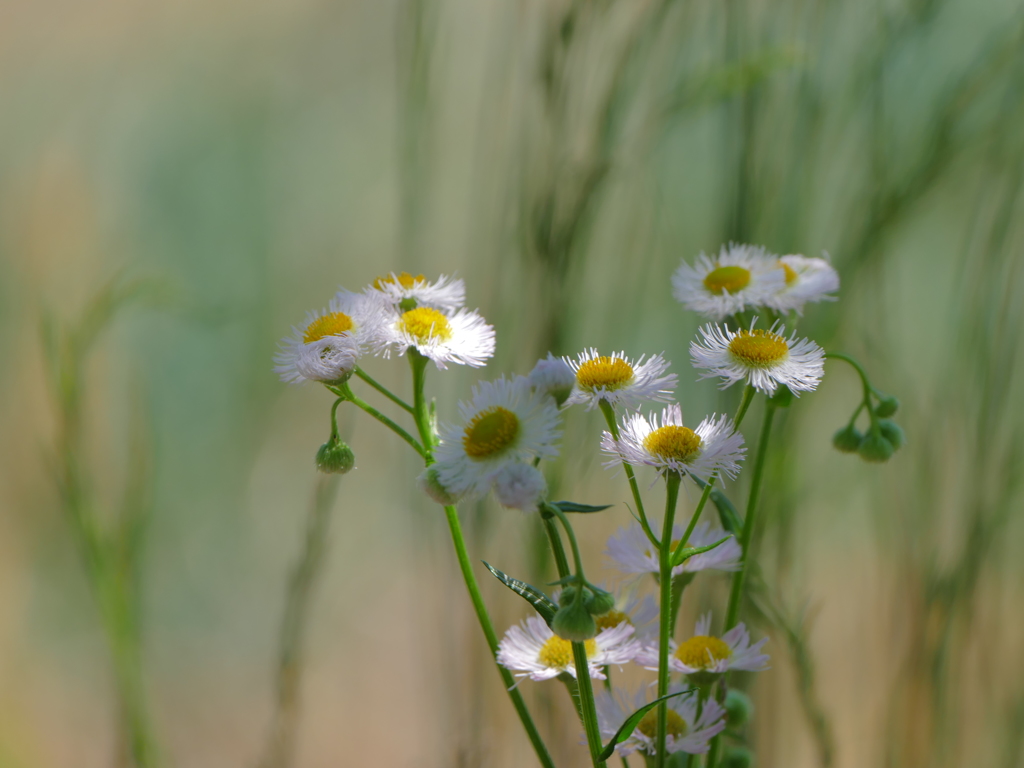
column 613, row 427
column 748, row 521
column 585, row 704
column 383, row 390
column 672, row 481
column 426, row 430
column 346, row 392
column 865, row 382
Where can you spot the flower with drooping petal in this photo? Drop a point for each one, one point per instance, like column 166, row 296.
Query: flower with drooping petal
column 619, row 381
column 808, row 280
column 632, row 552
column 405, row 291
column 505, row 422
column 714, row 447
column 532, row 650
column 687, row 731
column 331, row 340
column 462, row 337
column 704, row 657
column 765, row 359
column 739, row 278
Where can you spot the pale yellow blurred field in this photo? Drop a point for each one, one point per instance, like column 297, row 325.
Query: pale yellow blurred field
column 250, row 157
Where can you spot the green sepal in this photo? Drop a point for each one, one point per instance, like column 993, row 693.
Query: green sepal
column 632, row 721
column 572, row 506
column 545, row 605
column 685, row 554
column 727, row 512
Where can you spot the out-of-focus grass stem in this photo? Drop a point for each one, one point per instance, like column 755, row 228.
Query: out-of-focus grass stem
column 280, row 747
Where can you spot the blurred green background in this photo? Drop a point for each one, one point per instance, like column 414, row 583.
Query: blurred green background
column 245, row 159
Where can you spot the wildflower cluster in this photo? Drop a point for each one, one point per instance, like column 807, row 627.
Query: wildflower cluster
column 509, row 425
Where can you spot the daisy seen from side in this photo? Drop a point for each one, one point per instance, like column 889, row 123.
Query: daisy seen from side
column 619, row 381
column 808, row 280
column 406, row 291
column 704, row 657
column 631, row 551
column 532, row 650
column 688, row 731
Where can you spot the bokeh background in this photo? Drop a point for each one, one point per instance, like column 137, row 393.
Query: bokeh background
column 182, row 181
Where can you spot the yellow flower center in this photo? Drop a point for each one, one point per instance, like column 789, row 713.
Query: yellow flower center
column 648, row 724
column 758, row 349
column 673, row 442
column 611, row 620
column 490, row 432
column 790, row 272
column 701, row 651
column 331, row 324
column 728, row 279
column 608, row 372
column 404, row 279
column 557, row 652
column 424, row 324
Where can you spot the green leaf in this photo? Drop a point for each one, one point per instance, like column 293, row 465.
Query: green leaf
column 545, row 605
column 632, row 721
column 683, row 555
column 572, row 506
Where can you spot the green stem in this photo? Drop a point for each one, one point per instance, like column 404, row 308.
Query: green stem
column 865, row 382
column 609, row 417
column 572, row 543
column 383, row 390
column 345, row 392
column 422, row 416
column 748, row 521
column 585, row 703
column 334, row 417
column 672, row 480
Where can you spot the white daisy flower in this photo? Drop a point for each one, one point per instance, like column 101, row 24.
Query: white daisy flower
column 519, row 486
column 740, row 277
column 703, row 657
column 532, row 650
column 553, row 376
column 407, row 291
column 619, row 381
column 328, row 344
column 715, row 446
column 764, row 358
column 462, row 337
column 687, row 731
column 504, row 422
column 807, row 280
column 632, row 552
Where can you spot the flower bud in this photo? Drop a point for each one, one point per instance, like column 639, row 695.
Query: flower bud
column 887, row 406
column 875, row 447
column 738, row 708
column 568, row 595
column 574, row 622
column 893, row 432
column 600, row 602
column 429, row 483
column 335, row 458
column 519, row 486
column 554, row 377
column 737, row 757
column 847, row 439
